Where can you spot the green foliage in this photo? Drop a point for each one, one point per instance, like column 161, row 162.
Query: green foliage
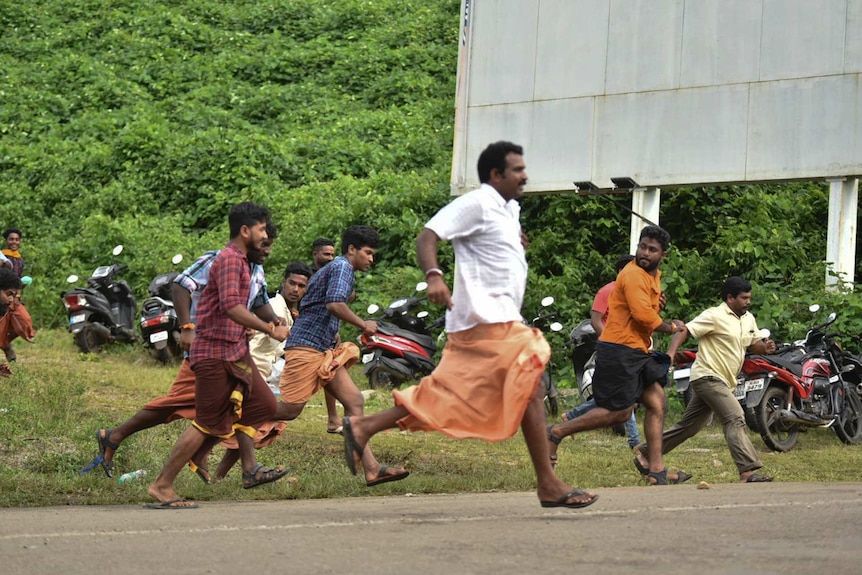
column 140, row 124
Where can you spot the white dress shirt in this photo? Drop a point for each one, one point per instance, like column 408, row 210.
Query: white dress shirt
column 490, row 265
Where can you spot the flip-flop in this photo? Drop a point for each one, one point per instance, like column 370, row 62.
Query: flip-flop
column 641, row 469
column 350, row 447
column 383, row 478
column 758, row 478
column 204, row 474
column 250, row 480
column 172, row 504
column 562, row 501
column 103, row 438
column 336, row 430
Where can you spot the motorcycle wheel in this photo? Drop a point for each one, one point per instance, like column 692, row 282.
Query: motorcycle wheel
column 87, row 340
column 848, row 426
column 776, row 435
column 379, row 379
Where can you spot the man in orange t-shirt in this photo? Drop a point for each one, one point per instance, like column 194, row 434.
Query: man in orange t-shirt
column 628, row 371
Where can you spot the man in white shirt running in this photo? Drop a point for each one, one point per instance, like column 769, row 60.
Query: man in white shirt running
column 487, row 383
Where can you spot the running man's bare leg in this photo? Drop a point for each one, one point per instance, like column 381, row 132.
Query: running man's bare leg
column 162, row 488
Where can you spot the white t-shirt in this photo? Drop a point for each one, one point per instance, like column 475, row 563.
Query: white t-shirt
column 490, row 265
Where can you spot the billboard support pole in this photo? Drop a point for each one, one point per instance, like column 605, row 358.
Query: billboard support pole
column 841, row 233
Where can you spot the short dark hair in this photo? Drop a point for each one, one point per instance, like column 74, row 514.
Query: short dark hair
column 623, row 261
column 10, row 231
column 9, row 279
column 299, row 268
column 319, row 243
column 359, row 237
column 733, row 286
column 494, row 157
column 271, row 231
column 246, row 214
column 658, row 234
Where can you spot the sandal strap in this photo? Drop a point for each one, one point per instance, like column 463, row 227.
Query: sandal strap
column 551, row 437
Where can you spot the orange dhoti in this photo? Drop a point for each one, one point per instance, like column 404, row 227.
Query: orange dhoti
column 16, row 323
column 485, row 380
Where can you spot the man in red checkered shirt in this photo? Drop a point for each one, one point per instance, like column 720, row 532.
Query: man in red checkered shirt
column 231, row 397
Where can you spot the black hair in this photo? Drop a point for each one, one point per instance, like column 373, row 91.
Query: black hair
column 658, row 234
column 271, row 231
column 9, row 279
column 12, row 231
column 321, row 242
column 733, row 286
column 246, row 214
column 494, row 157
column 299, row 268
column 359, row 237
column 623, row 261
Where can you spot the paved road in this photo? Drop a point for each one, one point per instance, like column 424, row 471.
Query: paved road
column 774, row 528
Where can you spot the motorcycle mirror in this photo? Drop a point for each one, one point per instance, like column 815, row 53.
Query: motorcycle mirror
column 814, row 307
column 421, row 286
column 765, row 333
column 547, row 301
column 26, row 280
column 72, row 279
column 177, row 259
column 422, row 314
column 556, row 326
column 831, row 317
column 373, row 308
column 117, row 250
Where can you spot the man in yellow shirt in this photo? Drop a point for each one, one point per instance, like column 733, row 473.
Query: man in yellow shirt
column 628, row 372
column 725, row 332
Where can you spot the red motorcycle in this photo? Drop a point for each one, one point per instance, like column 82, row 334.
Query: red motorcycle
column 402, row 349
column 802, row 386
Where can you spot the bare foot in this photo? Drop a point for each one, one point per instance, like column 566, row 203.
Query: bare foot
column 564, row 495
column 163, row 495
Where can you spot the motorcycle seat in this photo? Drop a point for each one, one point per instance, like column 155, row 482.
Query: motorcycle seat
column 156, row 303
column 425, row 341
column 792, row 367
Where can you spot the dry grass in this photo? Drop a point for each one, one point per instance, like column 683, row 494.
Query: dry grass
column 57, row 399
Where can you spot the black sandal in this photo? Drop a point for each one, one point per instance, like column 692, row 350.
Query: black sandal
column 661, row 477
column 103, row 436
column 556, row 441
column 268, row 475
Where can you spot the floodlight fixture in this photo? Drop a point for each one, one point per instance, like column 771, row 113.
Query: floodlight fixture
column 585, row 186
column 625, row 183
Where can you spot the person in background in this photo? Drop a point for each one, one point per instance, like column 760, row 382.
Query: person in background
column 12, row 237
column 14, row 319
column 323, row 252
column 725, row 334
column 628, row 371
column 598, row 317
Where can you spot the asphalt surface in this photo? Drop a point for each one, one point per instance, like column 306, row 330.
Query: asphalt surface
column 773, row 528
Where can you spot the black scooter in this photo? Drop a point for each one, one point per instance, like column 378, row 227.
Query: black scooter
column 160, row 328
column 543, row 321
column 102, row 312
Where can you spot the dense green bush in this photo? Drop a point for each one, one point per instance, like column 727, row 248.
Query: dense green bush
column 141, row 124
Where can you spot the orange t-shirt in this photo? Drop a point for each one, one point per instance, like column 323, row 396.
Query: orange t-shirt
column 633, row 308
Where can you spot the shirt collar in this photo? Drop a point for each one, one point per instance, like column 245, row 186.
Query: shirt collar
column 729, row 311
column 489, row 190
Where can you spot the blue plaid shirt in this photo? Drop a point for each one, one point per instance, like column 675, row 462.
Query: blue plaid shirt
column 316, row 327
column 195, row 277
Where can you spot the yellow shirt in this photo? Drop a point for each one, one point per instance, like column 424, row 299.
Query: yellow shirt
column 633, row 308
column 724, row 337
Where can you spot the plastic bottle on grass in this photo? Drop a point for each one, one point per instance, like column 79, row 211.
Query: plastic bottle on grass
column 132, row 475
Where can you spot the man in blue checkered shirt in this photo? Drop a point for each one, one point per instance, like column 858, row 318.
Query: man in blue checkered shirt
column 313, row 356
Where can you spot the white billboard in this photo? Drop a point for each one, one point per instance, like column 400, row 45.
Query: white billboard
column 664, row 92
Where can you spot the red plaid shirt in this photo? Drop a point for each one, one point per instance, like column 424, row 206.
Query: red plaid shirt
column 217, row 336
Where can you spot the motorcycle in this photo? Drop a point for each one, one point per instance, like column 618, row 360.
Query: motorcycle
column 160, row 328
column 803, row 386
column 582, row 340
column 104, row 310
column 543, row 322
column 682, row 373
column 402, row 349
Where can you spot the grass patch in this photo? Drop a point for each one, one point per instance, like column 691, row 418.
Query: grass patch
column 57, row 398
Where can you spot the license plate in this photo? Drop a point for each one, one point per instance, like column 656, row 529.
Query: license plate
column 754, row 384
column 77, row 318
column 366, row 358
column 682, row 373
column 739, row 391
column 158, row 336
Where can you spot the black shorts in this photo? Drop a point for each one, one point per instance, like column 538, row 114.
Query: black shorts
column 622, row 373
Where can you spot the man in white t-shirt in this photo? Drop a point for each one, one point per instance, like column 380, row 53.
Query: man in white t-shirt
column 488, row 381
